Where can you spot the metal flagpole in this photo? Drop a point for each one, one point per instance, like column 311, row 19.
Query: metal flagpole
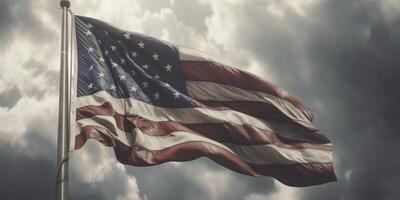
column 63, row 110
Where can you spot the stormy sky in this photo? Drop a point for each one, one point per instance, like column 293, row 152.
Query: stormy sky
column 339, row 57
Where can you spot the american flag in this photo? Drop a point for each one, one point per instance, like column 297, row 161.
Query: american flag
column 156, row 102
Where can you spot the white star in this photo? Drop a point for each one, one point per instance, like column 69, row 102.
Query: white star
column 122, row 61
column 168, row 68
column 145, row 84
column 114, row 65
column 91, row 68
column 101, row 59
column 100, row 75
column 90, row 26
column 113, row 87
column 90, row 49
column 141, row 44
column 90, row 86
column 88, row 32
column 145, row 66
column 176, row 95
column 133, row 73
column 106, row 52
column 157, row 76
column 134, row 54
column 127, row 36
column 157, row 95
column 113, row 48
column 122, row 77
column 155, row 56
column 105, row 32
column 133, row 88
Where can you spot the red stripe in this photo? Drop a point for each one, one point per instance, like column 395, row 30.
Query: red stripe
column 222, row 132
column 219, row 73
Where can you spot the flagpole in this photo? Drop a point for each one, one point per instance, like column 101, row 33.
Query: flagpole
column 64, row 109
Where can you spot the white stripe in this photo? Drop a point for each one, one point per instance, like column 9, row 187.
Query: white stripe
column 131, row 106
column 220, row 92
column 109, row 123
column 256, row 154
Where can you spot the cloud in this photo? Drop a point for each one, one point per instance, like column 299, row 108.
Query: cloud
column 23, row 177
column 10, row 97
column 155, row 5
column 199, row 179
column 339, row 57
column 281, row 192
column 97, row 174
column 20, row 19
column 29, row 54
column 28, row 146
column 45, row 80
column 192, row 13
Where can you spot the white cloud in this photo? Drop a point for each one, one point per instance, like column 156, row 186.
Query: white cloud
column 123, row 14
column 214, row 181
column 30, row 116
column 30, row 69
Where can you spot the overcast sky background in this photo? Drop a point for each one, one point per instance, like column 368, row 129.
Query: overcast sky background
column 339, row 57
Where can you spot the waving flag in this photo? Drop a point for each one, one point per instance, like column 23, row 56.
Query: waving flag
column 155, row 102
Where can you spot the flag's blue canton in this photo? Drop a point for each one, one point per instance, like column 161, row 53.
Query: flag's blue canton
column 128, row 64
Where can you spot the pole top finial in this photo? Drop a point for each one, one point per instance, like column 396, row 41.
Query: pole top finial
column 65, row 3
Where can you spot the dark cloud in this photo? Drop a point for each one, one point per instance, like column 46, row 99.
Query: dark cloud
column 10, row 97
column 342, row 60
column 353, row 53
column 23, row 177
column 26, row 177
column 18, row 19
column 28, row 172
column 6, row 19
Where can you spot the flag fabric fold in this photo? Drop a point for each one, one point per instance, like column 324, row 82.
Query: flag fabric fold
column 156, row 102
